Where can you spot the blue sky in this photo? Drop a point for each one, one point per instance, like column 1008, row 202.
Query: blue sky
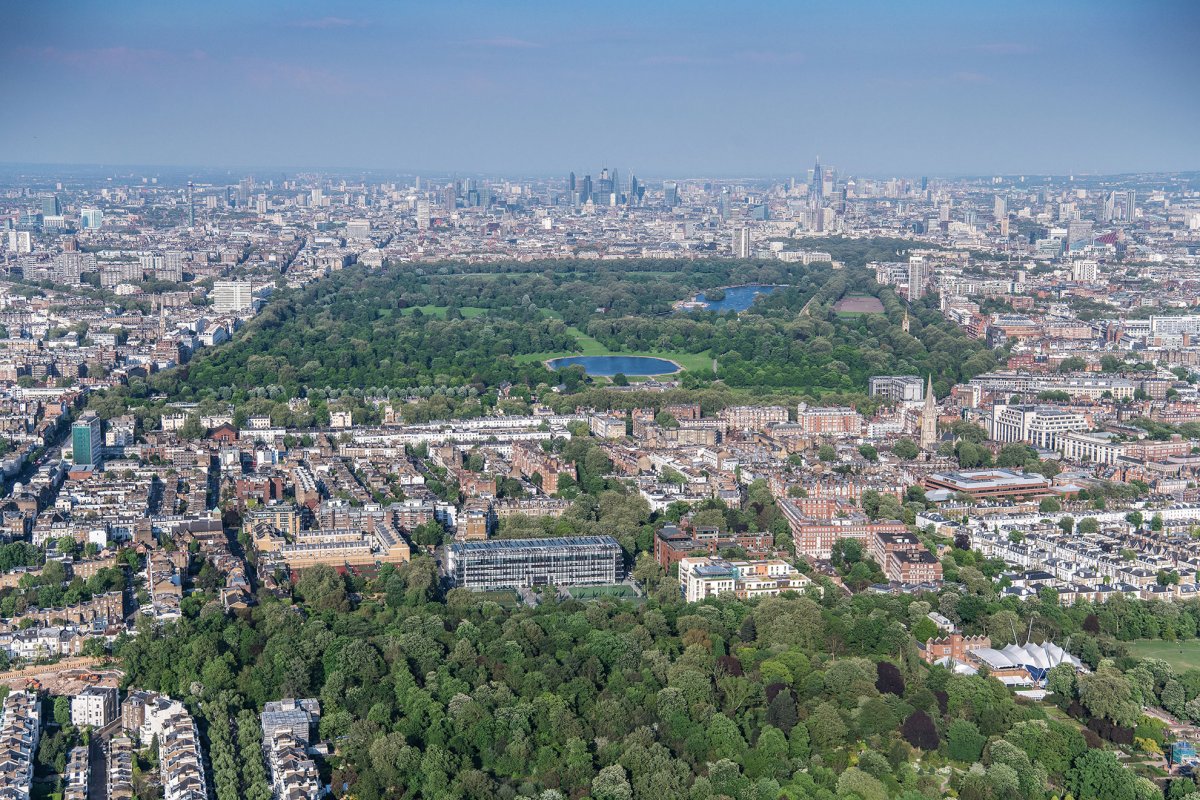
column 669, row 87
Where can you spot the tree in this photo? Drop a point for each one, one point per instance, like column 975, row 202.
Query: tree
column 1098, row 774
column 1107, row 693
column 781, row 711
column 62, row 710
column 905, row 449
column 1135, row 518
column 323, row 588
column 919, row 731
column 826, row 453
column 612, row 784
column 1067, row 524
column 1088, row 525
column 888, row 678
column 192, row 428
column 868, row 452
column 964, row 742
column 1049, row 505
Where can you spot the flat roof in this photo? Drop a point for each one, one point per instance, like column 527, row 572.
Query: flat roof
column 544, row 543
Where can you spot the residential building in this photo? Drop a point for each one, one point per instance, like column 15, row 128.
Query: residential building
column 230, row 297
column 898, row 388
column 710, row 576
column 87, row 442
column 95, row 706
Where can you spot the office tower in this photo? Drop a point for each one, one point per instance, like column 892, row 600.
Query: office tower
column 91, row 219
column 632, row 198
column 232, row 296
column 604, row 186
column 818, row 183
column 571, row 183
column 741, row 242
column 723, row 204
column 924, row 183
column 670, row 193
column 191, row 204
column 585, row 189
column 422, row 215
column 51, row 207
column 86, row 439
column 1000, row 207
column 1130, row 205
column 450, row 196
column 916, row 277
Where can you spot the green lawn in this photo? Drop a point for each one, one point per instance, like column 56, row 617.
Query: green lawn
column 468, row 312
column 1181, row 656
column 584, row 592
column 591, row 347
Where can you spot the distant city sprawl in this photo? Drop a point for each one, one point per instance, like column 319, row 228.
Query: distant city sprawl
column 384, row 485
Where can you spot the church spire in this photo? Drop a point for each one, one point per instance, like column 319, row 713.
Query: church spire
column 929, row 418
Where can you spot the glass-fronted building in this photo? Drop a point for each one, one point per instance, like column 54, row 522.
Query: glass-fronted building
column 86, row 440
column 520, row 563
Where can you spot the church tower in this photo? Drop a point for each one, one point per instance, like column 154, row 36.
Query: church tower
column 929, row 418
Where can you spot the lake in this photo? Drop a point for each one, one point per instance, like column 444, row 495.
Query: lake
column 610, row 365
column 737, row 298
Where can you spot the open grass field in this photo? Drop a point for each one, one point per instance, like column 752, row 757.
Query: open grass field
column 1181, row 656
column 468, row 312
column 586, row 592
column 853, row 304
column 591, row 347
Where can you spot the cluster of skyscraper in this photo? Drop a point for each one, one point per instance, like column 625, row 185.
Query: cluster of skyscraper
column 606, row 190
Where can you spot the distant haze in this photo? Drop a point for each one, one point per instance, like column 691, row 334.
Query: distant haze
column 678, row 86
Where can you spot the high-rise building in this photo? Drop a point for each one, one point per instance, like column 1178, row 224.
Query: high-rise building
column 1130, row 205
column 741, row 242
column 232, row 296
column 172, row 267
column 1000, row 207
column 818, row 183
column 51, row 207
column 86, row 439
column 916, row 277
column 422, row 215
column 670, row 193
column 91, row 218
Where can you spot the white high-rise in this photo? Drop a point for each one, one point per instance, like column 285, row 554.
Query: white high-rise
column 741, row 242
column 232, row 296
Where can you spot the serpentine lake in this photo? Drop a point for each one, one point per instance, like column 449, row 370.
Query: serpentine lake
column 607, row 366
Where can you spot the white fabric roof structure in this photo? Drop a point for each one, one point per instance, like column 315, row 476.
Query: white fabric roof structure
column 1037, row 659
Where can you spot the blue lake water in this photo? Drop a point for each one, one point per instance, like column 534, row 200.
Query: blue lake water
column 610, row 365
column 737, row 298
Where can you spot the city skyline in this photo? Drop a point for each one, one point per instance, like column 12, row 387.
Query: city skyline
column 934, row 89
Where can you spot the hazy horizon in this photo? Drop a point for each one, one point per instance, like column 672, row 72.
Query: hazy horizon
column 936, row 88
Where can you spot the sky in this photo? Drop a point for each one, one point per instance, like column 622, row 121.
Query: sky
column 659, row 87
